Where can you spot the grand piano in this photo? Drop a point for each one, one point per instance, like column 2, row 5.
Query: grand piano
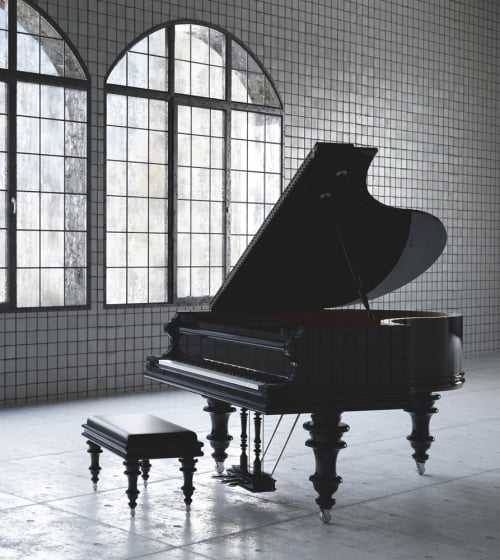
column 275, row 341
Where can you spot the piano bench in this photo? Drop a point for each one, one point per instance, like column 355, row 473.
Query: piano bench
column 138, row 438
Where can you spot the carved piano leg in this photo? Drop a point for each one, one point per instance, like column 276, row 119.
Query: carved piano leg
column 132, row 471
column 219, row 437
column 326, row 431
column 420, row 439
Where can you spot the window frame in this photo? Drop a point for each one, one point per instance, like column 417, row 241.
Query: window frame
column 11, row 76
column 174, row 100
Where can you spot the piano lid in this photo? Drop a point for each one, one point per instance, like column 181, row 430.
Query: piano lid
column 325, row 231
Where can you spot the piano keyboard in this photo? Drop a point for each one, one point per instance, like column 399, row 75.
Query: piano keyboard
column 182, row 367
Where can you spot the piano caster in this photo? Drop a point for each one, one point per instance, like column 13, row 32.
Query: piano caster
column 420, row 468
column 219, row 467
column 325, row 515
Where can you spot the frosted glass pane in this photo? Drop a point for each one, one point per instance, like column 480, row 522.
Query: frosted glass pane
column 158, row 115
column 116, row 143
column 217, row 123
column 75, row 286
column 238, row 245
column 116, row 213
column 199, row 44
column 273, row 158
column 183, row 216
column 217, row 48
column 273, row 187
column 137, row 214
column 116, row 178
column 200, row 80
column 72, row 68
column 200, row 250
column 215, row 280
column 157, row 73
column 3, row 220
column 52, row 56
column 28, row 249
column 75, row 175
column 28, row 210
column 184, row 149
column 183, row 249
column 217, row 83
column 184, row 119
column 271, row 97
column 201, row 151
column 239, row 124
column 200, row 217
column 238, row 186
column 157, row 180
column 273, row 129
column 157, row 147
column 217, row 184
column 51, row 248
column 76, row 139
column 52, row 211
column 75, row 249
column 157, row 250
column 141, row 46
column 255, row 187
column 116, row 249
column 216, row 220
column 28, row 53
column 217, row 153
column 200, row 121
column 28, row 172
column 137, row 145
column 200, row 183
column 52, row 174
column 52, row 137
column 255, row 217
column 137, row 291
column 137, row 70
column 157, row 285
column 3, row 64
column 116, row 285
column 116, row 110
column 256, row 156
column 138, row 112
column 28, row 137
column 138, row 179
column 76, row 212
column 118, row 75
column 238, row 86
column 52, row 287
column 238, row 218
column 256, row 126
column 182, row 77
column 239, row 56
column 3, row 281
column 76, row 105
column 183, row 182
column 255, row 87
column 183, row 41
column 239, row 154
column 28, row 286
column 52, row 102
column 199, row 282
column 157, row 43
column 183, row 282
column 137, row 249
column 216, row 250
column 28, row 99
column 157, row 216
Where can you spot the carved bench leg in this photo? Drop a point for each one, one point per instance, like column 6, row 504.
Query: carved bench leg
column 326, row 431
column 188, row 468
column 94, row 468
column 145, row 468
column 132, row 471
column 219, row 437
column 420, row 439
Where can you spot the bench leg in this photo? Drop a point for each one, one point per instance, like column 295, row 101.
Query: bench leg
column 132, row 471
column 145, row 468
column 94, row 468
column 188, row 469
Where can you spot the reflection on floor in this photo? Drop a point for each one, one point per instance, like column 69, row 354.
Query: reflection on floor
column 384, row 509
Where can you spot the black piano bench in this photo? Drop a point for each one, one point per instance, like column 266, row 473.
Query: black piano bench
column 138, row 438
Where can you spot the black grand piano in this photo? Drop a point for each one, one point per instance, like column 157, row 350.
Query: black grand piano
column 273, row 342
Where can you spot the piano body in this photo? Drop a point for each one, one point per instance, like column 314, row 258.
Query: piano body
column 274, row 341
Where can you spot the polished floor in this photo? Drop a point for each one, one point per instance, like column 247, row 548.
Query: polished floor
column 384, row 510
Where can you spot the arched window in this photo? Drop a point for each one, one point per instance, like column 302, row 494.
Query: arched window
column 193, row 152
column 43, row 163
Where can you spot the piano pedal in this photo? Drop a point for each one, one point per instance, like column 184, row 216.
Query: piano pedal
column 254, row 483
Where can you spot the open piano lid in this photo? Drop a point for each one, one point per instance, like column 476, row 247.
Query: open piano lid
column 326, row 237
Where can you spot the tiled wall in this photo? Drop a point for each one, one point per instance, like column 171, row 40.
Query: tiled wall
column 417, row 79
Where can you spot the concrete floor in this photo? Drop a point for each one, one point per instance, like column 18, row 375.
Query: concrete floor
column 384, row 509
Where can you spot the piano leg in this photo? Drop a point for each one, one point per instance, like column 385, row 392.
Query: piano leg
column 420, row 439
column 326, row 431
column 219, row 437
